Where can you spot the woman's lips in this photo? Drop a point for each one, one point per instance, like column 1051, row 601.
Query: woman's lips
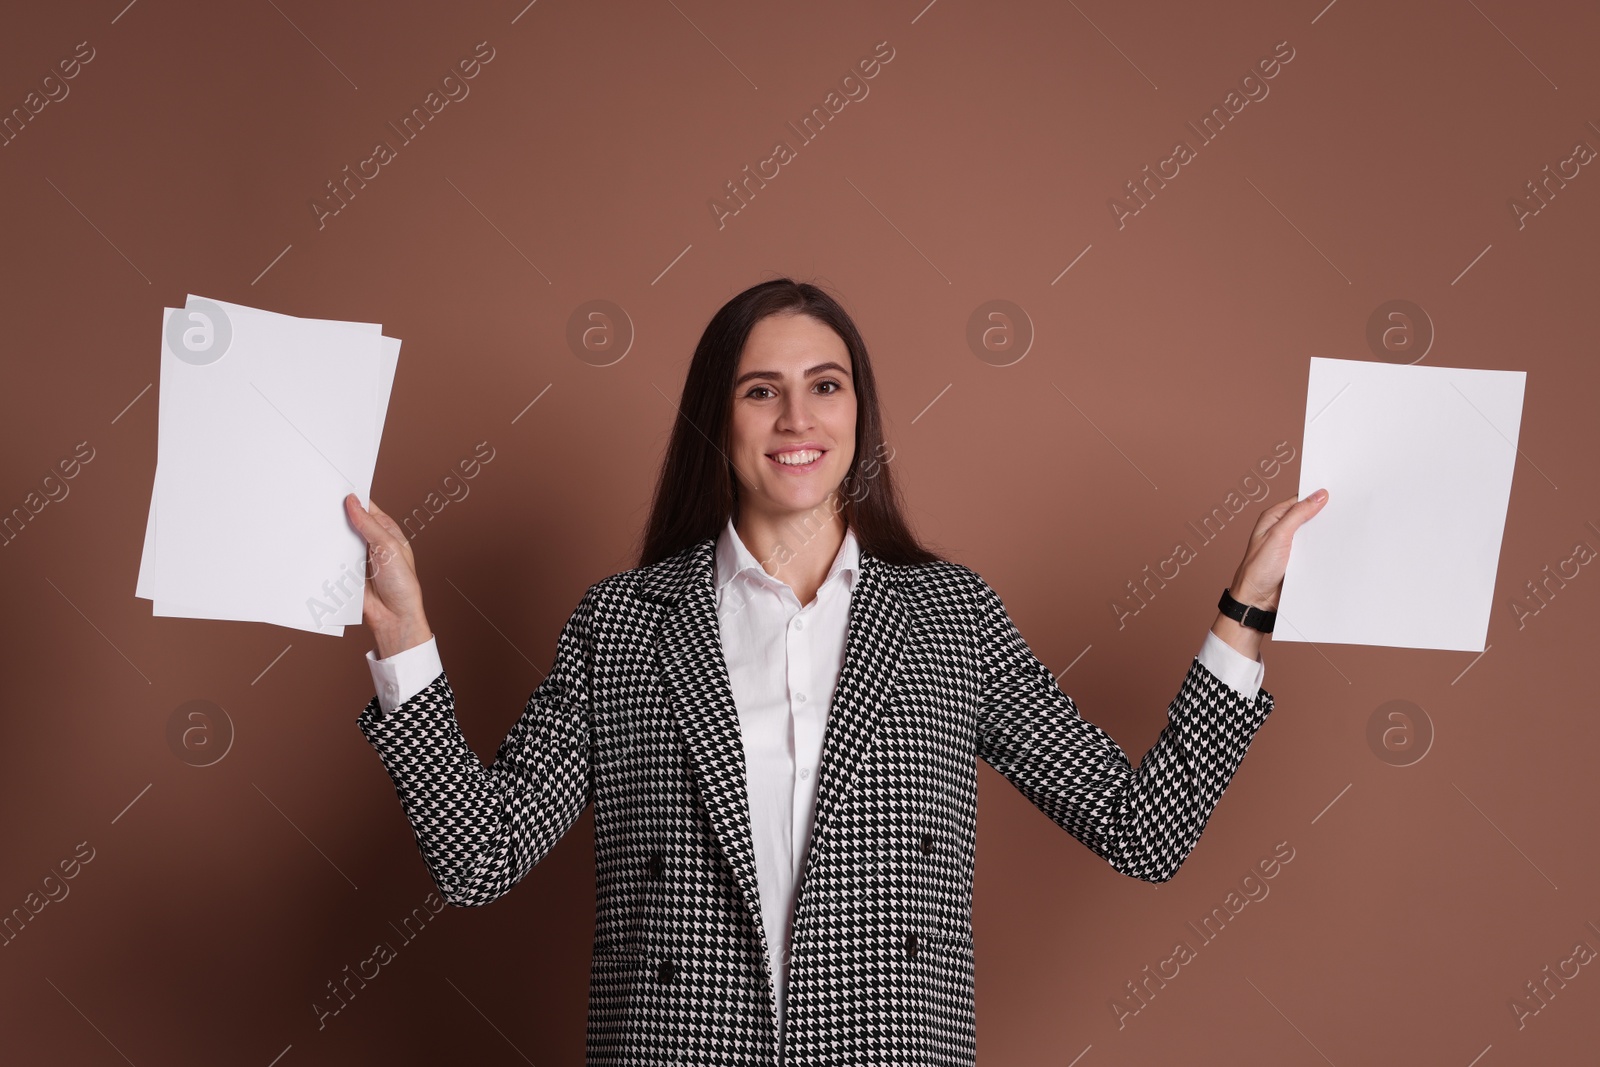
column 800, row 468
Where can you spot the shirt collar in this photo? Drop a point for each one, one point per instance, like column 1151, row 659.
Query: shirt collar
column 733, row 558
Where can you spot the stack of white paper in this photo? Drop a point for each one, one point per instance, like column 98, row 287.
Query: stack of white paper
column 266, row 422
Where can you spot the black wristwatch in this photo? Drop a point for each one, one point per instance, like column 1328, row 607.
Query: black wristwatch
column 1246, row 614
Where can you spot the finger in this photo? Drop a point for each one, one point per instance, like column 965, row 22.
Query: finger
column 388, row 524
column 1288, row 504
column 1270, row 518
column 359, row 518
column 1277, row 511
column 1304, row 511
column 379, row 531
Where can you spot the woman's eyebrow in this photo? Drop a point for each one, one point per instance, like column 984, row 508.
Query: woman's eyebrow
column 774, row 375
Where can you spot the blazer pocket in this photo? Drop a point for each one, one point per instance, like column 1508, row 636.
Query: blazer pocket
column 615, row 977
column 946, row 972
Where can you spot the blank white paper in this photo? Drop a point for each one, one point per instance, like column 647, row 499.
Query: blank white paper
column 1417, row 462
column 348, row 610
column 255, row 454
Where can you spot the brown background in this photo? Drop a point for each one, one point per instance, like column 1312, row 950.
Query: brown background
column 221, row 900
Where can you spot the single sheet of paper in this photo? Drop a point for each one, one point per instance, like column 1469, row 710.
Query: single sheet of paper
column 1417, row 462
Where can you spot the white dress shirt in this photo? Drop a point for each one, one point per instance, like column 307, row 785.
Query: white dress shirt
column 783, row 662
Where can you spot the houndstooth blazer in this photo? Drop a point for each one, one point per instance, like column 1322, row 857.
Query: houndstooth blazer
column 637, row 716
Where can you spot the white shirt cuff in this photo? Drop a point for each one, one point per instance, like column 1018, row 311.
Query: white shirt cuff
column 404, row 674
column 1238, row 670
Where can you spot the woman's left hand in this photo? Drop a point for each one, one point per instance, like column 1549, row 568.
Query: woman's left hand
column 1259, row 579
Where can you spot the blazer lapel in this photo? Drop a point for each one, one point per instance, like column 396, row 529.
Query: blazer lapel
column 691, row 661
column 873, row 644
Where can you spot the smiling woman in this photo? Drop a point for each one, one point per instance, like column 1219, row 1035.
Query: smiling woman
column 780, row 372
column 777, row 717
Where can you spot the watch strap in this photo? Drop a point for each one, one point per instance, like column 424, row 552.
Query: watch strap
column 1246, row 614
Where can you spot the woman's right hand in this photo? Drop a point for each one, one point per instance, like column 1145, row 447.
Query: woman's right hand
column 392, row 603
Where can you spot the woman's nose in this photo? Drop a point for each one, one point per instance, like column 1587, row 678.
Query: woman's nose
column 796, row 412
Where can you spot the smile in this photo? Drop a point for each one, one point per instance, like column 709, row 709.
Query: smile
column 804, row 459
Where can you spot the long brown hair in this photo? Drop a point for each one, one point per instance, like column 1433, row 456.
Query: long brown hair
column 697, row 490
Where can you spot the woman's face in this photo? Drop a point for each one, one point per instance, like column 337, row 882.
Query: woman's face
column 793, row 399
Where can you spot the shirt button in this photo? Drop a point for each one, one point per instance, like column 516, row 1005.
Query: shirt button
column 927, row 844
column 668, row 970
column 801, row 697
column 799, row 624
column 390, row 690
column 911, row 945
column 805, row 772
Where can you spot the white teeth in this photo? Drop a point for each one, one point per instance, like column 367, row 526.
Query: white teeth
column 797, row 459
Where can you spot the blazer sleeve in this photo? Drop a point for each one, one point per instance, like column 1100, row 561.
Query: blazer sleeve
column 1144, row 822
column 482, row 829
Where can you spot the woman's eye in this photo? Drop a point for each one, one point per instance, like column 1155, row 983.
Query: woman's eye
column 755, row 391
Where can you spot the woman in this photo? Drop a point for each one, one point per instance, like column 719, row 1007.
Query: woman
column 777, row 716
